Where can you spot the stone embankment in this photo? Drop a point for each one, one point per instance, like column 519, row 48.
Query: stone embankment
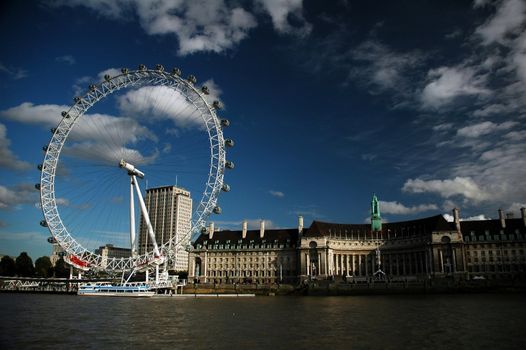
column 328, row 288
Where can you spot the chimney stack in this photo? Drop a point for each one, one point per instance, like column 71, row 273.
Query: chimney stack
column 262, row 229
column 456, row 218
column 300, row 224
column 523, row 215
column 211, row 231
column 509, row 215
column 502, row 219
column 245, row 226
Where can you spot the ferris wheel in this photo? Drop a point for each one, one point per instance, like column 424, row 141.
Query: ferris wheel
column 103, row 159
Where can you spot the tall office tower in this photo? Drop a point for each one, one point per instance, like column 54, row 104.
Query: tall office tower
column 170, row 211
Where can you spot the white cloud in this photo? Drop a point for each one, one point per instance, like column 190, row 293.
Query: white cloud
column 278, row 194
column 490, row 110
column 459, row 186
column 484, row 128
column 13, row 72
column 450, row 218
column 475, row 218
column 19, row 194
column 448, row 83
column 481, row 3
column 92, row 133
column 112, row 72
column 510, row 15
column 7, row 158
column 67, row 59
column 515, row 208
column 399, row 208
column 369, row 156
column 443, row 127
column 387, row 69
column 281, row 10
column 160, row 102
column 199, row 25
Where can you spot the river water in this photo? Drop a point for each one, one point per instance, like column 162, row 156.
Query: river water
column 466, row 321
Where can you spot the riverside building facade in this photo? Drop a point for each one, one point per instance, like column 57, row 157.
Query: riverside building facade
column 426, row 248
column 170, row 211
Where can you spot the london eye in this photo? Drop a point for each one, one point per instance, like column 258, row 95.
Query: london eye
column 137, row 128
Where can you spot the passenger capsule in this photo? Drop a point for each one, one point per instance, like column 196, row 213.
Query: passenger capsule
column 142, row 67
column 225, row 123
column 217, row 210
column 45, row 148
column 176, row 71
column 229, row 143
column 225, row 188
column 191, row 79
column 159, row 67
column 51, row 240
column 92, row 87
column 40, row 167
column 124, row 71
column 107, row 77
column 229, row 164
column 37, row 186
column 43, row 223
column 76, row 99
column 205, row 90
column 53, row 130
column 217, row 105
column 203, row 230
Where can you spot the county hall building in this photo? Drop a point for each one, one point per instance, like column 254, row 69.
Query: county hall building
column 426, row 248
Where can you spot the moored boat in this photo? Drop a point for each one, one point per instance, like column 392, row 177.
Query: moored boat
column 115, row 290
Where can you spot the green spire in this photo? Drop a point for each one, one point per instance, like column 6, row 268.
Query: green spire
column 376, row 219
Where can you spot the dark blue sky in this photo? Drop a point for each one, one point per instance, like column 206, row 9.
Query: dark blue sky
column 420, row 102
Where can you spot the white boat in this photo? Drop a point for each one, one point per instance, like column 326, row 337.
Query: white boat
column 115, row 290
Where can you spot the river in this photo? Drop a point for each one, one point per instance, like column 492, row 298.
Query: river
column 449, row 321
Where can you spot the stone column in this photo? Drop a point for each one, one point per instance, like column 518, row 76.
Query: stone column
column 366, row 265
column 359, row 265
column 426, row 262
column 454, row 253
column 205, row 268
column 353, row 265
column 307, row 262
column 441, row 260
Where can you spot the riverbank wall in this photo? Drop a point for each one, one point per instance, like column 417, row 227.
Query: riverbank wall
column 328, row 288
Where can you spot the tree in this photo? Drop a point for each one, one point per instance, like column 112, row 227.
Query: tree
column 61, row 270
column 24, row 265
column 7, row 266
column 43, row 267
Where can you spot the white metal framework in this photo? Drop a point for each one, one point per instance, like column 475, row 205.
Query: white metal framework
column 85, row 259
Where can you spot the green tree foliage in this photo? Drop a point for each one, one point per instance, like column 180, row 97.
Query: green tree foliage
column 24, row 265
column 7, row 266
column 43, row 267
column 61, row 269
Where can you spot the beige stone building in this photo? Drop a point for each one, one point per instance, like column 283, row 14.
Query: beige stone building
column 246, row 256
column 109, row 251
column 427, row 248
column 170, row 211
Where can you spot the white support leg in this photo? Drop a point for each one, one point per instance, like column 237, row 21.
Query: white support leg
column 146, row 218
column 133, row 238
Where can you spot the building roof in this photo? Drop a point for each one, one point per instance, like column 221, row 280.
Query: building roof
column 402, row 228
column 271, row 235
column 479, row 227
